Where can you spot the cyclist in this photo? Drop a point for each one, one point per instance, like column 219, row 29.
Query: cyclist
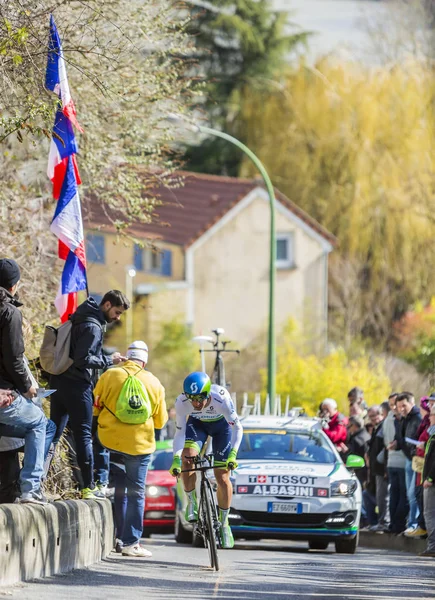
column 207, row 410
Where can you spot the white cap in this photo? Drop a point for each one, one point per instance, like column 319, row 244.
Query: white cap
column 138, row 350
column 330, row 402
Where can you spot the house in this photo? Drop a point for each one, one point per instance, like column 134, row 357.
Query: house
column 211, row 267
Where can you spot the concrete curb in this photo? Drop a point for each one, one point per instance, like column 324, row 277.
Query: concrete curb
column 38, row 541
column 388, row 541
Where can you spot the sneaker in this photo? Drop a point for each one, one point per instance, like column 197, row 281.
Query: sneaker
column 418, row 532
column 94, row 494
column 136, row 550
column 191, row 514
column 428, row 553
column 227, row 536
column 32, row 498
column 118, row 546
column 410, row 529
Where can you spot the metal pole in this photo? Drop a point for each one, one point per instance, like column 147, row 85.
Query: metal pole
column 128, row 324
column 271, row 361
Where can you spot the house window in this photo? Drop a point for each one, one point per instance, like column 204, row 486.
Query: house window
column 138, row 258
column 285, row 253
column 95, row 248
column 158, row 262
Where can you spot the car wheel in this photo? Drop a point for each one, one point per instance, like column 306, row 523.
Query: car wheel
column 197, row 540
column 318, row 544
column 347, row 546
column 182, row 536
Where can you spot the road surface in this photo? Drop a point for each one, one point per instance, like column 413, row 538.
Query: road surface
column 255, row 570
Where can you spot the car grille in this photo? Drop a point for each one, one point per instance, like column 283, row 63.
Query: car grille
column 281, row 520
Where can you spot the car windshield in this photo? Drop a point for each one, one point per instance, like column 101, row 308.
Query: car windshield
column 161, row 460
column 285, row 445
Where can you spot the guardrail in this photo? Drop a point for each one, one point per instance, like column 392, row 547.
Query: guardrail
column 38, row 541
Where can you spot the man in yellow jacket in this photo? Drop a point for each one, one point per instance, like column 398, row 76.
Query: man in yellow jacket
column 130, row 403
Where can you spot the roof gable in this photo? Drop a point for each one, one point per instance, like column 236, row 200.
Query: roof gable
column 190, row 211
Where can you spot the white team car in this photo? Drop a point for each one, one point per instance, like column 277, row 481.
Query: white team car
column 291, row 484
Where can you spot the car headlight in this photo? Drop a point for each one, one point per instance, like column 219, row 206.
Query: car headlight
column 153, row 491
column 345, row 487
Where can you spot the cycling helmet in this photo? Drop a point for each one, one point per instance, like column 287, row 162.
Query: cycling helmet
column 197, row 386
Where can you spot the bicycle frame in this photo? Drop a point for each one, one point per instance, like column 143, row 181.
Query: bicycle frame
column 208, row 525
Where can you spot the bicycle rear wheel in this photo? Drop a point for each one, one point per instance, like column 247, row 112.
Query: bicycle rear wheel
column 209, row 529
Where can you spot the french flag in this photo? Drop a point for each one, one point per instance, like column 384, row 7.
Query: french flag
column 67, row 223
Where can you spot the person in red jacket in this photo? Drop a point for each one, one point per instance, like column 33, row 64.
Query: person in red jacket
column 422, row 436
column 334, row 423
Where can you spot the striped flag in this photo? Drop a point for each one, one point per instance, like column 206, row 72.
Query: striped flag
column 67, row 223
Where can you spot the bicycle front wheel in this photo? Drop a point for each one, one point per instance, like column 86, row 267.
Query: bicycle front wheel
column 210, row 518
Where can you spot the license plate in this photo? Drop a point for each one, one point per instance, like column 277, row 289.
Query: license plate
column 291, row 508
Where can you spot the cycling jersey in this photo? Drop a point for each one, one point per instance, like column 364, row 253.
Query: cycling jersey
column 219, row 410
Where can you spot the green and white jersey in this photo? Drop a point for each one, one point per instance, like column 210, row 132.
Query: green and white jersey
column 219, row 407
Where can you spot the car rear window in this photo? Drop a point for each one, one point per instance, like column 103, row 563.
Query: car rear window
column 161, row 460
column 285, row 445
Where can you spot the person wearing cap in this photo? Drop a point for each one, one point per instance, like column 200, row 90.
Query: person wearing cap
column 20, row 418
column 130, row 444
column 334, row 423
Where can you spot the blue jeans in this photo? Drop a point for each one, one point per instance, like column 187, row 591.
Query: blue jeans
column 399, row 507
column 129, row 495
column 410, row 492
column 23, row 419
column 101, row 462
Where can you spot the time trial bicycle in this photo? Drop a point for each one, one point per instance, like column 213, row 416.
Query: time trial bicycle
column 208, row 526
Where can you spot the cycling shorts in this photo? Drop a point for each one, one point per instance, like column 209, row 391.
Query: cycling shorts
column 220, row 431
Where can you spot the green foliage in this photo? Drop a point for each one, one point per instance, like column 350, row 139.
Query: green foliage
column 355, row 148
column 237, row 43
column 126, row 68
column 309, row 379
column 173, row 358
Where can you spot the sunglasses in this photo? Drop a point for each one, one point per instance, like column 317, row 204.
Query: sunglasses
column 198, row 397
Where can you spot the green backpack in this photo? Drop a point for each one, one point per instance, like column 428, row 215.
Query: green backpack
column 133, row 405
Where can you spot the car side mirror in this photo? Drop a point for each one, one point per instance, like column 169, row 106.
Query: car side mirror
column 354, row 461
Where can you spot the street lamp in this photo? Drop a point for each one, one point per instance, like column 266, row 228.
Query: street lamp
column 130, row 273
column 271, row 361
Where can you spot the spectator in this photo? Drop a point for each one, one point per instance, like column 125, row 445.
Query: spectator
column 356, row 410
column 428, row 477
column 73, row 399
column 130, row 444
column 411, row 419
column 396, row 461
column 171, row 426
column 21, row 418
column 334, row 424
column 377, row 473
column 417, row 466
column 356, row 396
column 10, row 465
column 358, row 443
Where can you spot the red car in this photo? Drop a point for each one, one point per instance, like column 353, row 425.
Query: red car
column 159, row 512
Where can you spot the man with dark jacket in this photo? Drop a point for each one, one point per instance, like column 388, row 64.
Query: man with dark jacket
column 73, row 399
column 411, row 419
column 21, row 418
column 358, row 443
column 377, row 472
column 428, row 478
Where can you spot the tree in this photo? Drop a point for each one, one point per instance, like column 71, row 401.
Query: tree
column 309, row 379
column 237, row 43
column 126, row 67
column 354, row 147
